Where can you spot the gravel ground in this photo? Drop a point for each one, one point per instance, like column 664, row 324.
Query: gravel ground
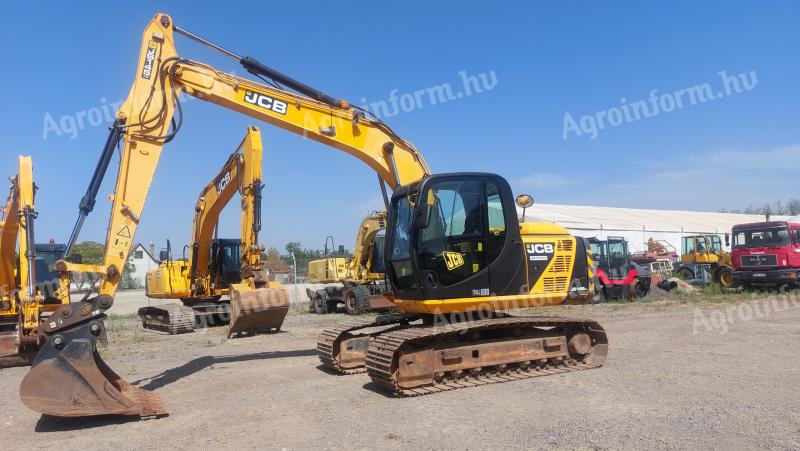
column 679, row 375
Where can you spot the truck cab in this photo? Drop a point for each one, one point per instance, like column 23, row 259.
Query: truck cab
column 766, row 254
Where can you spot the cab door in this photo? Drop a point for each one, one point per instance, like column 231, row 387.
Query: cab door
column 470, row 245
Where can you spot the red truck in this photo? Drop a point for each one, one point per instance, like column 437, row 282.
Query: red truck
column 766, row 254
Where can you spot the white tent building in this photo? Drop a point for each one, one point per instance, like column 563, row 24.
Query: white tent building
column 637, row 226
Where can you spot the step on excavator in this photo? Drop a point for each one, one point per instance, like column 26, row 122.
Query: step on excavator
column 359, row 282
column 457, row 257
column 28, row 284
column 219, row 270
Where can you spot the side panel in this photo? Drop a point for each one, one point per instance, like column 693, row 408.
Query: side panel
column 551, row 261
column 168, row 281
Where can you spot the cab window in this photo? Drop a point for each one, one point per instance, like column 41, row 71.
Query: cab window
column 497, row 222
column 688, row 245
column 716, row 244
column 451, row 248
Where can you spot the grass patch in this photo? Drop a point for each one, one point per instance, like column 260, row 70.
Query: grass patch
column 123, row 316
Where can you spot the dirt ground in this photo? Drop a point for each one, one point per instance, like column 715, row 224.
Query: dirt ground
column 680, row 374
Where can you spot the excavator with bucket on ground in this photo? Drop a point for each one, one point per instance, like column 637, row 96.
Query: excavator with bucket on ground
column 28, row 284
column 360, row 280
column 219, row 270
column 456, row 256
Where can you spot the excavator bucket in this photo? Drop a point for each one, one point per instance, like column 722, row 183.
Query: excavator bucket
column 68, row 378
column 8, row 344
column 255, row 310
column 10, row 353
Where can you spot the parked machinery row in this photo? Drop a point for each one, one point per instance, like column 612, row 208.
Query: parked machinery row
column 456, row 254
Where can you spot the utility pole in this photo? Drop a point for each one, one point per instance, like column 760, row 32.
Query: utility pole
column 294, row 265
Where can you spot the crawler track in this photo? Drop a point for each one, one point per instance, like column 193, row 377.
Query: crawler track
column 339, row 358
column 385, row 351
column 171, row 318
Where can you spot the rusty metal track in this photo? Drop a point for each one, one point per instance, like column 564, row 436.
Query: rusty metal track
column 386, row 349
column 330, row 340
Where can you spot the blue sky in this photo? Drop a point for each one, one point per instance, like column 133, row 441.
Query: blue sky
column 549, row 59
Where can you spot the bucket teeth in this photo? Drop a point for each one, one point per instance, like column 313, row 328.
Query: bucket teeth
column 68, row 378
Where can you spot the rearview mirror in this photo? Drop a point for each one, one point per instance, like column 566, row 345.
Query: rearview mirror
column 423, row 217
column 524, row 201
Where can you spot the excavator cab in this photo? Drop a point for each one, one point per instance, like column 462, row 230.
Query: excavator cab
column 226, row 261
column 454, row 236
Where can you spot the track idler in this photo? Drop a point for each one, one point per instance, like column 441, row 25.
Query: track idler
column 68, row 378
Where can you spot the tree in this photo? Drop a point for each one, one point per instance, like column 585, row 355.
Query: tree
column 128, row 282
column 274, row 262
column 790, row 208
column 793, row 207
column 301, row 255
column 92, row 253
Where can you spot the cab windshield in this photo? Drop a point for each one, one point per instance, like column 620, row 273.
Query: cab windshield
column 45, row 267
column 769, row 237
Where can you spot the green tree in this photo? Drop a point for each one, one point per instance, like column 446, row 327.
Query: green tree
column 91, row 252
column 302, row 255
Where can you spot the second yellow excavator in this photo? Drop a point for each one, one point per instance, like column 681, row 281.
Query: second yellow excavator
column 358, row 282
column 219, row 270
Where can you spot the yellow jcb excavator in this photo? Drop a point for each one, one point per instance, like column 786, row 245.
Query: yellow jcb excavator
column 219, row 268
column 360, row 280
column 28, row 284
column 456, row 256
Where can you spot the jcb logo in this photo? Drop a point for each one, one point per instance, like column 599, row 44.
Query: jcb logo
column 223, row 182
column 149, row 58
column 540, row 248
column 453, row 260
column 266, row 102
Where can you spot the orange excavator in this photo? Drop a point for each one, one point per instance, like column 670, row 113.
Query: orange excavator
column 456, row 256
